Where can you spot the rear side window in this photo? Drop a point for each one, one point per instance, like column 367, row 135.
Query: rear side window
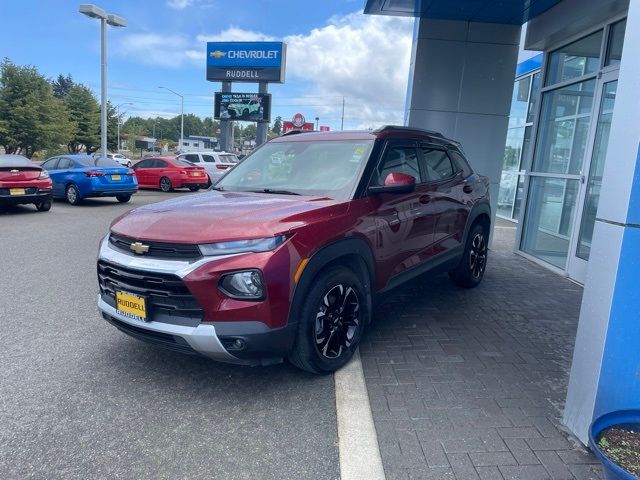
column 438, row 164
column 160, row 164
column 50, row 164
column 399, row 160
column 64, row 163
column 191, row 158
column 461, row 163
column 209, row 158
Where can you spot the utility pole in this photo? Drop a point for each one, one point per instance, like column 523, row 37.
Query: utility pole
column 342, row 121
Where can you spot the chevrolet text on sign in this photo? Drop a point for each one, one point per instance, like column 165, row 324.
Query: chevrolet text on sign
column 246, row 61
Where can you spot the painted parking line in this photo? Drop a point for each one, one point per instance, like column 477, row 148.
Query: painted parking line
column 357, row 439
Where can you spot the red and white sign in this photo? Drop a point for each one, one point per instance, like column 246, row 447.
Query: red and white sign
column 289, row 126
column 324, row 129
column 298, row 120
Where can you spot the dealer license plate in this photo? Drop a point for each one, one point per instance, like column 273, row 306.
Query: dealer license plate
column 116, row 177
column 131, row 306
column 17, row 191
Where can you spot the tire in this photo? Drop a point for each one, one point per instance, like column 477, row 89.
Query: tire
column 331, row 321
column 470, row 270
column 165, row 184
column 123, row 198
column 73, row 195
column 44, row 206
column 194, row 188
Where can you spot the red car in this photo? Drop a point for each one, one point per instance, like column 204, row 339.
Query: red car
column 167, row 173
column 286, row 255
column 23, row 182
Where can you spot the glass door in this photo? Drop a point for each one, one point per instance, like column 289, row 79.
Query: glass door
column 591, row 177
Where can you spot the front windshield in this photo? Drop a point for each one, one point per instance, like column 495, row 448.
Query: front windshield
column 314, row 168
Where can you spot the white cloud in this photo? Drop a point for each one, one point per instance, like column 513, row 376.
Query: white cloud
column 364, row 58
column 179, row 4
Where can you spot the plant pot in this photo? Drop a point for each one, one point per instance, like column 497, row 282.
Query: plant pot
column 629, row 419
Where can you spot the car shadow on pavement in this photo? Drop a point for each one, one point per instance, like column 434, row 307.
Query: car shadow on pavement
column 18, row 210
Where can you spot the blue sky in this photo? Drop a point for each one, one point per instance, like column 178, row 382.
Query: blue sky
column 333, row 51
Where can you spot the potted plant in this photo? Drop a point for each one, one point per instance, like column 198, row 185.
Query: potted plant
column 615, row 439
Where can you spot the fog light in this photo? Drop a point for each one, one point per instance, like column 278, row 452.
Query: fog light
column 246, row 285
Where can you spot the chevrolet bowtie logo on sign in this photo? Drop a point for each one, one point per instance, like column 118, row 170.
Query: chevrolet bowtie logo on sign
column 217, row 54
column 139, row 248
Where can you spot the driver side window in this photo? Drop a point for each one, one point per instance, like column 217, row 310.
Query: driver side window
column 399, row 160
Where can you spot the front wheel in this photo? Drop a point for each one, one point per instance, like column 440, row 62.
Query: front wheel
column 123, row 198
column 73, row 195
column 470, row 271
column 165, row 184
column 44, row 206
column 331, row 321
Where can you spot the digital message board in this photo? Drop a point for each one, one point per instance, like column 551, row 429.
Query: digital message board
column 246, row 61
column 247, row 107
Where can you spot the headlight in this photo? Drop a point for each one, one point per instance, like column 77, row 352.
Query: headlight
column 43, row 174
column 242, row 246
column 245, row 285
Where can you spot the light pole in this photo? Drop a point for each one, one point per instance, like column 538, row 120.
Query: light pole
column 118, row 115
column 105, row 18
column 181, row 115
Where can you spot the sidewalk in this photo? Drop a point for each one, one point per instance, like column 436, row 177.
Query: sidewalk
column 470, row 384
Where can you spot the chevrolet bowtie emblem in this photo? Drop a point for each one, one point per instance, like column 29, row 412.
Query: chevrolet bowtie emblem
column 217, row 54
column 139, row 248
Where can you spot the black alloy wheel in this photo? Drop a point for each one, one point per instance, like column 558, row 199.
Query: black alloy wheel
column 478, row 255
column 337, row 321
column 165, row 184
column 472, row 266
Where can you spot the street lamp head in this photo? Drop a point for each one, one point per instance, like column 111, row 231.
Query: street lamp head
column 93, row 11
column 116, row 20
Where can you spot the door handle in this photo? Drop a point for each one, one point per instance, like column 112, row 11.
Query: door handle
column 467, row 189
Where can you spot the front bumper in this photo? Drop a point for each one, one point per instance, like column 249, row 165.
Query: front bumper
column 244, row 341
column 25, row 199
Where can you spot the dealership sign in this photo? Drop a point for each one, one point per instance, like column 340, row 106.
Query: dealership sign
column 248, row 107
column 298, row 122
column 246, row 61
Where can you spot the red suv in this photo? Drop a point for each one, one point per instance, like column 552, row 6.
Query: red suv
column 286, row 255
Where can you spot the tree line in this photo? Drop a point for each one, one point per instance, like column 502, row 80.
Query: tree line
column 59, row 115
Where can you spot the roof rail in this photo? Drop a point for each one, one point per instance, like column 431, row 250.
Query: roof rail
column 385, row 128
column 296, row 132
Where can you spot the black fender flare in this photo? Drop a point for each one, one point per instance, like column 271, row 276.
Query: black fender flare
column 355, row 253
column 483, row 208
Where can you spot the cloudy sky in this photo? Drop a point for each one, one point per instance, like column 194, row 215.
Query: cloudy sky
column 333, row 51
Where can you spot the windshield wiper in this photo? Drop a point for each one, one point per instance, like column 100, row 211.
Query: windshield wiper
column 277, row 192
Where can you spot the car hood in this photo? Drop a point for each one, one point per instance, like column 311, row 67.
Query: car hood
column 220, row 216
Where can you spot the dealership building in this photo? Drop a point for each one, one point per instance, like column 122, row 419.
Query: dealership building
column 570, row 171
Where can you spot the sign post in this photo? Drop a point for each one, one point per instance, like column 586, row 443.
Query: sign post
column 226, row 126
column 263, row 126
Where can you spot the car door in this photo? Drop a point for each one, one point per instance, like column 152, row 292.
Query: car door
column 60, row 176
column 404, row 224
column 50, row 166
column 446, row 199
column 159, row 168
column 141, row 169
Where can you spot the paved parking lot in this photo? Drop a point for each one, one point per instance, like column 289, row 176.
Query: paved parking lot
column 78, row 399
column 470, row 384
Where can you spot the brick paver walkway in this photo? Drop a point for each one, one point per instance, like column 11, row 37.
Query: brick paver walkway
column 470, row 384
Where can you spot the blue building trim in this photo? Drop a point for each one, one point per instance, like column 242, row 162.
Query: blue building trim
column 528, row 66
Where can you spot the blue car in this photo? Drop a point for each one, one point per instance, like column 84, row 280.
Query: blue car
column 76, row 177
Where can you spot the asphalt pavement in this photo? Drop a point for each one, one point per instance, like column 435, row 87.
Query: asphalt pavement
column 79, row 399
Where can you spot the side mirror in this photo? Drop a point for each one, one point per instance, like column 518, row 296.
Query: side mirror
column 395, row 182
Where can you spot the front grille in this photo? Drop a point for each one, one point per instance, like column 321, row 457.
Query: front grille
column 165, row 294
column 28, row 191
column 180, row 251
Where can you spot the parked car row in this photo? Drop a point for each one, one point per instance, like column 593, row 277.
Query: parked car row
column 76, row 177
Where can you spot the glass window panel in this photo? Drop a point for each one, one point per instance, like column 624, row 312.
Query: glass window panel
column 519, row 102
column 592, row 196
column 551, row 206
column 513, row 149
column 533, row 101
column 519, row 194
column 526, row 148
column 507, row 193
column 616, row 39
column 575, row 60
column 564, row 127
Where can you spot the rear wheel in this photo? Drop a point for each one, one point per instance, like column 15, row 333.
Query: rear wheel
column 165, row 184
column 331, row 321
column 470, row 271
column 73, row 195
column 194, row 188
column 123, row 198
column 44, row 206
